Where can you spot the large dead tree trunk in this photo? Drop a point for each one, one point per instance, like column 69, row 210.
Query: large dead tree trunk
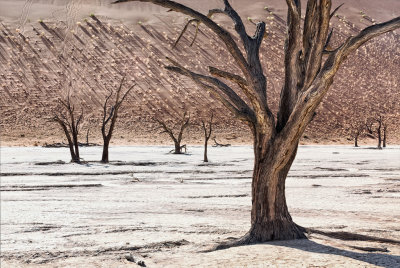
column 309, row 71
column 66, row 119
column 177, row 138
column 110, row 120
column 207, row 134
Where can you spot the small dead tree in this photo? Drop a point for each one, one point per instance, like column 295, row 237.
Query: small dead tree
column 376, row 128
column 108, row 123
column 177, row 138
column 357, row 129
column 207, row 128
column 379, row 120
column 384, row 134
column 65, row 117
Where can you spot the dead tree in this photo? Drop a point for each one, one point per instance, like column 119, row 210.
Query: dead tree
column 379, row 131
column 177, row 138
column 66, row 119
column 110, row 119
column 377, row 128
column 357, row 129
column 207, row 134
column 384, row 124
column 310, row 66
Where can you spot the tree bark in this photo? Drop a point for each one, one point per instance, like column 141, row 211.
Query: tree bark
column 356, row 141
column 76, row 145
column 270, row 218
column 74, row 158
column 384, row 137
column 205, row 151
column 177, row 147
column 70, row 127
column 207, row 134
column 111, row 119
column 379, row 135
column 104, row 158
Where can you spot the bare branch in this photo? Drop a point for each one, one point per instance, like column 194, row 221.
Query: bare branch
column 335, row 10
column 292, row 62
column 316, row 29
column 109, row 116
column 184, row 30
column 327, row 41
column 224, row 35
column 209, row 15
column 166, row 129
column 79, row 120
column 239, row 26
column 233, row 103
column 230, row 76
column 334, row 61
column 126, row 94
column 105, row 107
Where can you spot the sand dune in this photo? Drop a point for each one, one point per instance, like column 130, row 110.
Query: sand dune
column 48, row 49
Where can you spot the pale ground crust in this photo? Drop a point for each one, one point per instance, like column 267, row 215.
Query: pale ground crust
column 166, row 210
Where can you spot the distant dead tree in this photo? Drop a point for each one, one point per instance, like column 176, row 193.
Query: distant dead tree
column 177, row 138
column 357, row 128
column 384, row 134
column 310, row 67
column 207, row 128
column 382, row 128
column 110, row 115
column 379, row 120
column 377, row 128
column 65, row 117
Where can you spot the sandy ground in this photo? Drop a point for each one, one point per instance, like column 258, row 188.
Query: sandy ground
column 166, row 210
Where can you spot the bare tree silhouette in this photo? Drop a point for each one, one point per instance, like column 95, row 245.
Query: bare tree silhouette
column 207, row 128
column 357, row 128
column 110, row 119
column 178, row 135
column 65, row 117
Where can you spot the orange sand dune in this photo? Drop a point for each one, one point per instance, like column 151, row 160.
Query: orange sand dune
column 48, row 49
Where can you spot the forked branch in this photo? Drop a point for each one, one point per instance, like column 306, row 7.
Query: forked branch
column 111, row 119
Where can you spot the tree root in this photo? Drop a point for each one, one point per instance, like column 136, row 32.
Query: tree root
column 250, row 238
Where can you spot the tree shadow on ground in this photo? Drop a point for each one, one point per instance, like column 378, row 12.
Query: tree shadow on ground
column 373, row 258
